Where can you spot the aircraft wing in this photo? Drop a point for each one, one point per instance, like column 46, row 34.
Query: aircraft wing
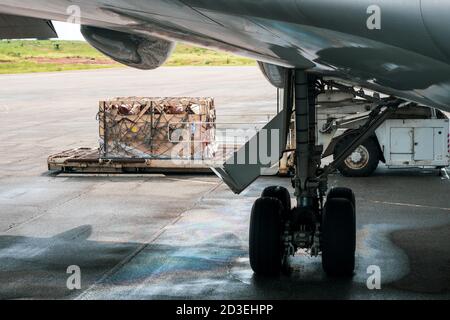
column 395, row 47
column 17, row 27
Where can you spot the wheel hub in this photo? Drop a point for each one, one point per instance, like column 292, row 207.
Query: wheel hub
column 358, row 159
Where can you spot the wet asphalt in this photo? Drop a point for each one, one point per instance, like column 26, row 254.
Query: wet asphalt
column 184, row 236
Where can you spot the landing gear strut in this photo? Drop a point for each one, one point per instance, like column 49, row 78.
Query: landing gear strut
column 321, row 223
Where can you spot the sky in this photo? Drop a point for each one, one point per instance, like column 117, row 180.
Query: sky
column 68, row 31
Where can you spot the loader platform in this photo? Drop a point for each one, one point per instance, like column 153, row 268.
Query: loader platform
column 88, row 160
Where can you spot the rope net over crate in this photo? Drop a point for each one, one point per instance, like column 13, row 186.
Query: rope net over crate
column 157, row 128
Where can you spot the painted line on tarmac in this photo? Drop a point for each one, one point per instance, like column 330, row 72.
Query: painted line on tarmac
column 127, row 259
column 195, row 181
column 132, row 255
column 408, row 205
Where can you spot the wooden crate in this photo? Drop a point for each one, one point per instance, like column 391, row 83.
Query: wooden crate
column 157, row 128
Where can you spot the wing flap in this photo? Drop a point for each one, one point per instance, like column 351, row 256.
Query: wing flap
column 17, row 27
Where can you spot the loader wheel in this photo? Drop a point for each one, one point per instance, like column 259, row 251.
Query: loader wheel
column 281, row 194
column 265, row 246
column 338, row 237
column 363, row 161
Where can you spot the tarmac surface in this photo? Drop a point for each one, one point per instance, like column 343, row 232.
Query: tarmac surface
column 184, row 236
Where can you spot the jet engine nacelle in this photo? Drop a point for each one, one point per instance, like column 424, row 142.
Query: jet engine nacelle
column 274, row 74
column 141, row 52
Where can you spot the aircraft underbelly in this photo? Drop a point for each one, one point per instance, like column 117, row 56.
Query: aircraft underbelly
column 337, row 48
column 408, row 57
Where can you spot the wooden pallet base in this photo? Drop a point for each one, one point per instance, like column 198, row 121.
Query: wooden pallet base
column 87, row 160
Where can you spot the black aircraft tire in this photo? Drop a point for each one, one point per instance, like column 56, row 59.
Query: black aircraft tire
column 369, row 162
column 339, row 192
column 265, row 245
column 338, row 237
column 281, row 194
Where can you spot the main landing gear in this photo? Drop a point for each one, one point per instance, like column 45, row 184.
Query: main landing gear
column 322, row 222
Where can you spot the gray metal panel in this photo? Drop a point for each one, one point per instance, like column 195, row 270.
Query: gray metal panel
column 440, row 144
column 423, row 144
column 238, row 176
column 16, row 27
column 401, row 140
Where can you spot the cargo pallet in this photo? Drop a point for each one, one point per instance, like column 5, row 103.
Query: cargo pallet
column 88, row 160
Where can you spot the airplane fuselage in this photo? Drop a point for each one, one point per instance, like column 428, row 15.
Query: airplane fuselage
column 391, row 46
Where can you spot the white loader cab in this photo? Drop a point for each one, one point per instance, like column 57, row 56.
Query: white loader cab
column 413, row 136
